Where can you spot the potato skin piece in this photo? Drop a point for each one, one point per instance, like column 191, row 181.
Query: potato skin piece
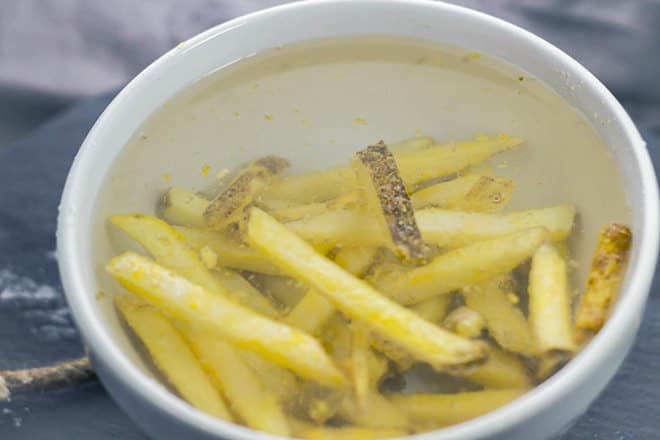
column 228, row 205
column 605, row 276
column 395, row 207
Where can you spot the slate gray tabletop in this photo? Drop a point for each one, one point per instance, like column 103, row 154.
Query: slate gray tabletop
column 36, row 327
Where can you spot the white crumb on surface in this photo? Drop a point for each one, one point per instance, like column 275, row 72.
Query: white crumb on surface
column 42, row 305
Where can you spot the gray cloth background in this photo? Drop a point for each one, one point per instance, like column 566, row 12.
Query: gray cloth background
column 60, row 62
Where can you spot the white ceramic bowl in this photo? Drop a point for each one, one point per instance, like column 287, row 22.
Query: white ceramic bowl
column 539, row 414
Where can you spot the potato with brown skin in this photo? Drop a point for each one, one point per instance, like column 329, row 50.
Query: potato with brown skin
column 227, row 207
column 605, row 276
column 378, row 177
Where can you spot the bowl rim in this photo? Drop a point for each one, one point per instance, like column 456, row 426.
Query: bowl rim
column 530, row 404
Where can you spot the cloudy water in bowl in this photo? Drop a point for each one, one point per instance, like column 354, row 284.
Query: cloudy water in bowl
column 317, row 103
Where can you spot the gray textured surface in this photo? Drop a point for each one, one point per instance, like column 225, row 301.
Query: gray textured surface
column 35, row 327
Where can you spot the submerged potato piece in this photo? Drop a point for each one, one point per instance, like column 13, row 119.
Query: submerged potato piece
column 505, row 321
column 312, row 432
column 311, row 312
column 549, row 302
column 278, row 380
column 449, row 409
column 350, row 200
column 458, row 268
column 438, row 226
column 356, row 260
column 466, row 322
column 181, row 207
column 172, row 355
column 414, row 166
column 168, row 248
column 457, row 228
column 357, row 299
column 360, row 362
column 374, row 411
column 473, row 192
column 501, row 370
column 193, row 304
column 230, row 253
column 227, row 207
column 433, row 309
column 378, row 177
column 605, row 276
column 255, row 405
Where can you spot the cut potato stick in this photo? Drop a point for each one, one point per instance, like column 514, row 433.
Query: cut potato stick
column 337, row 338
column 172, row 355
column 605, row 276
column 357, row 299
column 549, row 302
column 378, row 177
column 227, row 207
column 285, row 290
column 449, row 409
column 402, row 359
column 505, row 321
column 360, row 362
column 247, row 396
column 231, row 253
column 442, row 227
column 168, row 248
column 414, row 166
column 433, row 309
column 378, row 369
column 412, row 144
column 466, row 193
column 350, row 200
column 181, row 207
column 245, row 293
column 375, row 411
column 356, row 260
column 466, row 322
column 279, row 381
column 457, row 228
column 549, row 363
column 310, row 313
column 501, row 370
column 191, row 303
column 459, row 267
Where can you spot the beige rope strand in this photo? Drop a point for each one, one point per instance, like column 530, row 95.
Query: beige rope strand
column 64, row 373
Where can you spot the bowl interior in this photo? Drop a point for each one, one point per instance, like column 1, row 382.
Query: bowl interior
column 316, row 103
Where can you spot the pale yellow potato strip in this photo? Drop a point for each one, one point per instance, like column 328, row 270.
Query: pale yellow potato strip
column 310, row 313
column 415, row 166
column 458, row 228
column 438, row 226
column 256, row 406
column 458, row 268
column 350, row 200
column 193, row 304
column 433, row 309
column 449, row 409
column 349, row 433
column 278, row 380
column 549, row 302
column 172, row 356
column 181, row 207
column 169, row 249
column 506, row 322
column 356, row 260
column 231, row 253
column 356, row 298
column 360, row 362
column 374, row 411
column 501, row 370
column 466, row 322
column 466, row 193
